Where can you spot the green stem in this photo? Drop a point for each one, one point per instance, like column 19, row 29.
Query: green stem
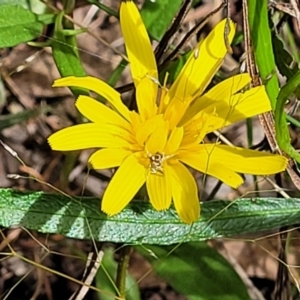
column 122, row 271
column 69, row 6
column 293, row 121
column 116, row 74
column 105, row 8
column 249, row 125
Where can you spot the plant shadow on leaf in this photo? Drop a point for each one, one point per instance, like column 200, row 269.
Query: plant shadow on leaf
column 81, row 218
column 197, row 271
column 65, row 215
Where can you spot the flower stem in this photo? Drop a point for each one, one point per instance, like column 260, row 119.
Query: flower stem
column 122, row 271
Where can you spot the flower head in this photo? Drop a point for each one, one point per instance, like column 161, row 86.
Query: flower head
column 157, row 144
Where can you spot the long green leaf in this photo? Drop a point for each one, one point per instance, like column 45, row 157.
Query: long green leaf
column 262, row 44
column 139, row 223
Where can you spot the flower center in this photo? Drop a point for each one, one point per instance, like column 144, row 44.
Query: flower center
column 156, row 161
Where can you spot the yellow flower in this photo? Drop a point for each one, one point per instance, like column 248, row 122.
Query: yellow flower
column 155, row 145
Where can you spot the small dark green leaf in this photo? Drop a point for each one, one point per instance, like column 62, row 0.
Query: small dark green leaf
column 174, row 68
column 282, row 57
column 139, row 223
column 158, row 15
column 282, row 131
column 18, row 25
column 284, row 61
column 197, row 271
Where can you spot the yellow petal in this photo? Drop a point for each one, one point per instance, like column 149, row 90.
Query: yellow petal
column 244, row 160
column 146, row 128
column 203, row 63
column 184, row 193
column 146, row 93
column 135, row 120
column 175, row 110
column 98, row 86
column 137, row 42
column 163, row 96
column 196, row 129
column 222, row 92
column 159, row 190
column 97, row 112
column 228, row 87
column 207, row 164
column 126, row 182
column 87, row 136
column 108, row 158
column 158, row 139
column 241, row 106
column 174, row 140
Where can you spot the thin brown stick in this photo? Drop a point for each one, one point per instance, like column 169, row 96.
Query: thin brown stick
column 190, row 35
column 91, row 275
column 174, row 53
column 170, row 33
column 267, row 120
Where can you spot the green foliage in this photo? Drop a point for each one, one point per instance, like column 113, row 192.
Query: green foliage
column 209, row 275
column 282, row 132
column 157, row 16
column 174, row 68
column 65, row 54
column 283, row 59
column 22, row 27
column 271, row 54
column 35, row 6
column 262, row 44
column 81, row 218
column 288, row 68
column 105, row 8
column 12, row 119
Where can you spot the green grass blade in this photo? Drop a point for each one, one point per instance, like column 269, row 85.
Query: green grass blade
column 262, row 45
column 12, row 119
